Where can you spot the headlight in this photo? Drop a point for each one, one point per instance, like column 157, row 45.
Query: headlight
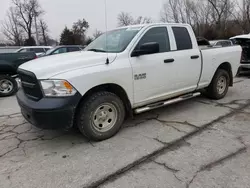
column 57, row 88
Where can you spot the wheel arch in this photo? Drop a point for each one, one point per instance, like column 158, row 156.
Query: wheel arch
column 227, row 67
column 7, row 71
column 113, row 88
column 13, row 82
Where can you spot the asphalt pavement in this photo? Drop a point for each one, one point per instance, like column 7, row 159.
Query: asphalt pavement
column 197, row 143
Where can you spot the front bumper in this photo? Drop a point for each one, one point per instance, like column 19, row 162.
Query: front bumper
column 49, row 113
column 245, row 66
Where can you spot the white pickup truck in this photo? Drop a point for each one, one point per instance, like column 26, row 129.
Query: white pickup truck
column 126, row 71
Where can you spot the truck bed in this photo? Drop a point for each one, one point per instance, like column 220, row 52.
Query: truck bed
column 214, row 56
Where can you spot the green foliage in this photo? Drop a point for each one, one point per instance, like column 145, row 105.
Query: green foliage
column 67, row 37
column 30, row 42
column 76, row 35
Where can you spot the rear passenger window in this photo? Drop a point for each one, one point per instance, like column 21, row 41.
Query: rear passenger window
column 24, row 50
column 219, row 44
column 182, row 38
column 60, row 51
column 73, row 49
column 226, row 43
column 37, row 50
column 159, row 35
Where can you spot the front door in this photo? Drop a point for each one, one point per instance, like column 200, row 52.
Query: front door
column 154, row 74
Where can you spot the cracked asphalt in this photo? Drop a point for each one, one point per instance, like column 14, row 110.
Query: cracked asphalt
column 199, row 143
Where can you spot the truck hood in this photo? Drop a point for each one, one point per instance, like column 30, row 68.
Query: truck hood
column 50, row 66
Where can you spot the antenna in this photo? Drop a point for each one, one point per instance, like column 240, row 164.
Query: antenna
column 106, row 27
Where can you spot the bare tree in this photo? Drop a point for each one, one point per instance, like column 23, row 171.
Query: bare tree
column 27, row 11
column 11, row 29
column 165, row 15
column 199, row 16
column 142, row 20
column 246, row 15
column 79, row 29
column 242, row 16
column 125, row 19
column 221, row 10
column 44, row 32
column 207, row 17
column 246, row 10
column 178, row 11
column 97, row 33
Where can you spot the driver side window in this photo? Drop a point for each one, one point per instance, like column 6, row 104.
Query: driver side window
column 158, row 35
column 219, row 44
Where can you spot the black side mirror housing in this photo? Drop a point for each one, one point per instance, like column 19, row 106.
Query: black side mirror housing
column 147, row 48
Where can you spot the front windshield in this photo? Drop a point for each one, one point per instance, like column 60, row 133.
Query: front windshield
column 117, row 40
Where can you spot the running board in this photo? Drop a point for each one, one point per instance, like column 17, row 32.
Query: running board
column 165, row 103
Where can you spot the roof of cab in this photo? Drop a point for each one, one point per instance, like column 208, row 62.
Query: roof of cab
column 151, row 24
column 36, row 47
column 247, row 36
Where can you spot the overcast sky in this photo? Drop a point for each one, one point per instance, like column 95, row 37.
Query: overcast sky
column 61, row 13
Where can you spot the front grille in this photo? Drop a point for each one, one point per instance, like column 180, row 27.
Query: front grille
column 245, row 61
column 30, row 85
column 245, row 58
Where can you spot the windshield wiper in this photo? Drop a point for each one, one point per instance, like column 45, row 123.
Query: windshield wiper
column 96, row 50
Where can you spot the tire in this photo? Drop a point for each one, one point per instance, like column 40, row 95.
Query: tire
column 218, row 88
column 8, row 86
column 101, row 116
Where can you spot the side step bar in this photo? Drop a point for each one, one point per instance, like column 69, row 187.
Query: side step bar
column 165, row 103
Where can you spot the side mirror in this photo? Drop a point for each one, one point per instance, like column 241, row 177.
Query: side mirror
column 147, row 48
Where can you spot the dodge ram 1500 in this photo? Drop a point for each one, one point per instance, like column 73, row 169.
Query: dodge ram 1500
column 125, row 71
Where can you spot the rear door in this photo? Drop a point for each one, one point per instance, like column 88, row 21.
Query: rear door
column 187, row 59
column 73, row 49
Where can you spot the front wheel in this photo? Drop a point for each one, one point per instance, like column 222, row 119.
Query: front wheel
column 101, row 116
column 8, row 86
column 219, row 85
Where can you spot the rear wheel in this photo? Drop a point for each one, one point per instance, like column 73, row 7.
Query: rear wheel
column 219, row 85
column 8, row 86
column 101, row 116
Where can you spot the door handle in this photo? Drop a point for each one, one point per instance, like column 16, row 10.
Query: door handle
column 195, row 57
column 168, row 60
